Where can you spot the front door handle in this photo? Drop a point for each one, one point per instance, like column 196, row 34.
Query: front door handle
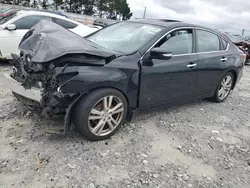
column 223, row 59
column 191, row 65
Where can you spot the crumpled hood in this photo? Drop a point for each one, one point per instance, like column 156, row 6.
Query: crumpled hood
column 47, row 41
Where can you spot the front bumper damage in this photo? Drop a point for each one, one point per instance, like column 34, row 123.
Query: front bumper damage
column 34, row 94
column 39, row 90
column 51, row 73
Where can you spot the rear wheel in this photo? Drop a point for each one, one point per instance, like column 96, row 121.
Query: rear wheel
column 224, row 88
column 99, row 115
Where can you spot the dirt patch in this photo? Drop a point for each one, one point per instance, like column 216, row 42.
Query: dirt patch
column 200, row 145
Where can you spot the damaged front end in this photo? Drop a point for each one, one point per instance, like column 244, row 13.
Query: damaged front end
column 42, row 68
column 38, row 87
column 42, row 82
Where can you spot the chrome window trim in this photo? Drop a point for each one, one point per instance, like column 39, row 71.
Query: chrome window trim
column 182, row 54
column 204, row 29
column 215, row 51
column 163, row 37
column 188, row 53
column 203, row 52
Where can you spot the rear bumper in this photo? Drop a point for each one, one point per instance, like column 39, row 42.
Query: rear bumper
column 33, row 93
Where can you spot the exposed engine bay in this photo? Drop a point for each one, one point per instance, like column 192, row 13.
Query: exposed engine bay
column 47, row 79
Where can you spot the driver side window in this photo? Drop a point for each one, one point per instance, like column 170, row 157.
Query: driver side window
column 177, row 42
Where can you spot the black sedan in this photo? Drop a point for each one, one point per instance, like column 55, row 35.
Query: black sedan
column 100, row 80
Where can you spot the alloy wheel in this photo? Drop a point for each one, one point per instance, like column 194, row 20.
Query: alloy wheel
column 105, row 116
column 225, row 87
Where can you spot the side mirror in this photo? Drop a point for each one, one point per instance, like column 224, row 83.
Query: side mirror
column 11, row 27
column 158, row 53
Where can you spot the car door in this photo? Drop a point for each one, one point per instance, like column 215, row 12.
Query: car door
column 169, row 77
column 212, row 53
column 12, row 38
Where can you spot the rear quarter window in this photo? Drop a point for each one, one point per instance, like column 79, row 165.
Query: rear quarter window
column 224, row 44
column 64, row 23
column 207, row 41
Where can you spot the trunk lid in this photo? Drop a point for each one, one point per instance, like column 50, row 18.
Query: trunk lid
column 47, row 41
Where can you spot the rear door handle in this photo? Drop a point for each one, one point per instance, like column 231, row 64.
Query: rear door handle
column 223, row 59
column 191, row 65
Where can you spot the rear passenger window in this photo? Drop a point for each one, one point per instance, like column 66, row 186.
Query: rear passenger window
column 224, row 44
column 178, row 42
column 64, row 23
column 207, row 42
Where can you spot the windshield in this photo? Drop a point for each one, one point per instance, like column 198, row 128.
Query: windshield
column 3, row 20
column 125, row 37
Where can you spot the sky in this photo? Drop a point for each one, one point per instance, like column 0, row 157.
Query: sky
column 226, row 15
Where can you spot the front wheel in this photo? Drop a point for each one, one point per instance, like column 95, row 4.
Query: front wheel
column 224, row 88
column 99, row 115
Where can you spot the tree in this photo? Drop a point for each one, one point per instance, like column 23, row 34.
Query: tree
column 45, row 4
column 73, row 6
column 34, row 4
column 58, row 3
column 126, row 15
column 25, row 3
column 102, row 5
column 112, row 7
column 120, row 7
column 88, row 6
column 68, row 5
column 124, row 10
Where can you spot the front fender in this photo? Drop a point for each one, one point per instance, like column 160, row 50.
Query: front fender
column 93, row 77
column 89, row 78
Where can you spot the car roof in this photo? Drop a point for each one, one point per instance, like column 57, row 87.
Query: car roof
column 35, row 12
column 169, row 22
column 159, row 22
column 42, row 13
column 49, row 11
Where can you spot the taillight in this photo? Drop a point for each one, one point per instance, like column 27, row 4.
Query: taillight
column 243, row 57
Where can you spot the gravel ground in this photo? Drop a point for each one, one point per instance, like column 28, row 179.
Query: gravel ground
column 201, row 144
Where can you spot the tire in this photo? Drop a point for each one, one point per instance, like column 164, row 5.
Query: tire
column 218, row 97
column 90, row 113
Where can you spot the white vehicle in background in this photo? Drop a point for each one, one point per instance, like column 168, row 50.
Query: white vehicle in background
column 14, row 26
